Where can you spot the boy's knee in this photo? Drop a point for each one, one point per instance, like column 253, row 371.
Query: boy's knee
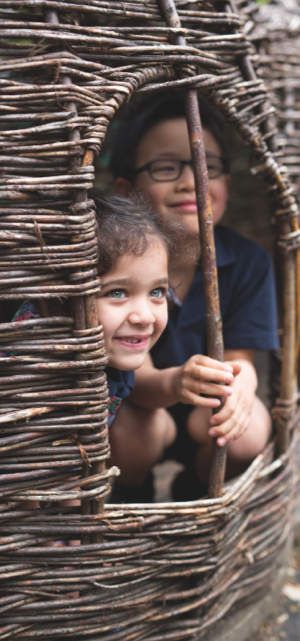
column 260, row 426
column 162, row 428
column 255, row 439
column 197, row 425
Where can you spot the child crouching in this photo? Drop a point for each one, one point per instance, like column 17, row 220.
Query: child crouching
column 135, row 247
column 153, row 157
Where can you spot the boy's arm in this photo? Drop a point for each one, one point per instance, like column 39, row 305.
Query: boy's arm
column 199, row 375
column 232, row 421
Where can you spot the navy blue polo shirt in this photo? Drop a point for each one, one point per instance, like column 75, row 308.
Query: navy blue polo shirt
column 247, row 302
column 120, row 384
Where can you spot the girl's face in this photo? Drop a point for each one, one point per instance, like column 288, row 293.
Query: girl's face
column 132, row 305
column 177, row 199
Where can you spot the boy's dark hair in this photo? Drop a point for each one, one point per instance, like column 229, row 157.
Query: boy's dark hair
column 124, row 225
column 147, row 114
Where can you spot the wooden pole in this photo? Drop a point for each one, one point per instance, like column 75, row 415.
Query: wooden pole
column 208, row 257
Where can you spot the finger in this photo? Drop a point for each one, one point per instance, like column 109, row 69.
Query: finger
column 206, row 361
column 209, row 374
column 231, row 417
column 225, row 413
column 236, row 367
column 222, row 431
column 212, row 389
column 235, row 433
column 198, row 386
column 231, row 429
column 200, row 401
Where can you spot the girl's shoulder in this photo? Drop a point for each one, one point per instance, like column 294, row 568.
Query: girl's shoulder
column 120, row 383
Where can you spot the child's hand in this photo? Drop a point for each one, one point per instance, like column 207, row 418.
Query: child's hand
column 233, row 419
column 203, row 375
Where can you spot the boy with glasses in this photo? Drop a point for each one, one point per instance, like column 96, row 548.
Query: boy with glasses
column 152, row 155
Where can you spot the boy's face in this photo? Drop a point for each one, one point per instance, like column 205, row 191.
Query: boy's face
column 177, row 199
column 132, row 305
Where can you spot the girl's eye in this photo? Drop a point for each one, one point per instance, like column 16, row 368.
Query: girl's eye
column 117, row 293
column 158, row 292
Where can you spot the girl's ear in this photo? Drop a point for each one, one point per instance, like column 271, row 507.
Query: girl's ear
column 123, row 186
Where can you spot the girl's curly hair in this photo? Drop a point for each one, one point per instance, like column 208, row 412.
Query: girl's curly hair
column 127, row 225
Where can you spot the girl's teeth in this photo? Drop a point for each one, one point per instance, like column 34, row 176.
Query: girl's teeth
column 133, row 340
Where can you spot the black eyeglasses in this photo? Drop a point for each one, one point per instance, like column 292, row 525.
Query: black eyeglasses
column 167, row 170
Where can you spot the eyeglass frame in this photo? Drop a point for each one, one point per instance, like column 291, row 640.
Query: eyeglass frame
column 147, row 167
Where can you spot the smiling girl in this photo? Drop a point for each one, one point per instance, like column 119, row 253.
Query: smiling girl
column 132, row 304
column 135, row 248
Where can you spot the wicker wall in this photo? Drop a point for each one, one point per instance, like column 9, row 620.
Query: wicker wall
column 168, row 572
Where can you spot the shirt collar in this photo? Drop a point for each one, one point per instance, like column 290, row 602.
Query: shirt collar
column 225, row 255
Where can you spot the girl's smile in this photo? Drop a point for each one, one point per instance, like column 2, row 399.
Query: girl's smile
column 134, row 342
column 132, row 305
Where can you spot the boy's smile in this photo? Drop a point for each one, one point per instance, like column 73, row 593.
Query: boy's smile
column 132, row 305
column 166, row 140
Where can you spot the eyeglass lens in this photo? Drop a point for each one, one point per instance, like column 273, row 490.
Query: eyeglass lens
column 165, row 170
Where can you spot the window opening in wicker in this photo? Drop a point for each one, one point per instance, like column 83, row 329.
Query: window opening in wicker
column 149, row 571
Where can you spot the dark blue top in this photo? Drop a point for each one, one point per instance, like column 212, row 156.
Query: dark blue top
column 120, row 384
column 247, row 301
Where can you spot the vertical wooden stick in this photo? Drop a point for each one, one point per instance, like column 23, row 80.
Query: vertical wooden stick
column 288, row 379
column 209, row 270
column 208, row 257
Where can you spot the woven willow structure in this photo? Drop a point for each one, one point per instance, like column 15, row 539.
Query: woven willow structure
column 161, row 571
column 275, row 32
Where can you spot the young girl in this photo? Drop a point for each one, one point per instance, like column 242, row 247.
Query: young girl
column 135, row 248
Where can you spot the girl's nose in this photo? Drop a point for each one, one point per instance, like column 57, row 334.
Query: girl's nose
column 141, row 314
column 186, row 181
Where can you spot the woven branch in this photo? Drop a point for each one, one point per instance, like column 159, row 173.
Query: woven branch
column 164, row 571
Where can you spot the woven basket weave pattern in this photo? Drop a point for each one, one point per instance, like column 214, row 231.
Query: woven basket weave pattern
column 150, row 571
